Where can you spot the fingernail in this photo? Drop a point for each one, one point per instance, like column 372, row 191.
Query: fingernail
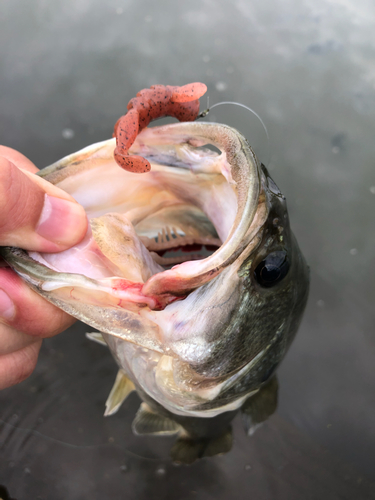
column 7, row 309
column 60, row 221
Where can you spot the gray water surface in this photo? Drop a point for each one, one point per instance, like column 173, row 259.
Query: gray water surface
column 67, row 70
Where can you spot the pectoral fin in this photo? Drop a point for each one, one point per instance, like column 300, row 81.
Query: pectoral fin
column 120, row 391
column 148, row 422
column 260, row 406
column 96, row 337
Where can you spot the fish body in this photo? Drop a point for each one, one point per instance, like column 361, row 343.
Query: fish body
column 196, row 336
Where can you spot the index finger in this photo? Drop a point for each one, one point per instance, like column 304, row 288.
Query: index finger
column 18, row 159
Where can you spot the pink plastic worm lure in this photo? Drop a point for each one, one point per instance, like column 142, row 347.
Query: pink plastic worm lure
column 158, row 101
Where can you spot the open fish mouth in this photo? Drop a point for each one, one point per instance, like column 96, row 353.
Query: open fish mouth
column 197, row 210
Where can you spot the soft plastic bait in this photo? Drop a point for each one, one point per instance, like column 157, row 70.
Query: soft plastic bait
column 156, row 102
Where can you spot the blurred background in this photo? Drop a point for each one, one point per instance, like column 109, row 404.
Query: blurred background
column 307, row 67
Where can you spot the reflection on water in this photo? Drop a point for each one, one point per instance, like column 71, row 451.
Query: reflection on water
column 59, row 442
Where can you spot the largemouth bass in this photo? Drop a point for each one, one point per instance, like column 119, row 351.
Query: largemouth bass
column 195, row 334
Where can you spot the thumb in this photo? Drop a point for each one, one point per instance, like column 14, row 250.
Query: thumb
column 36, row 215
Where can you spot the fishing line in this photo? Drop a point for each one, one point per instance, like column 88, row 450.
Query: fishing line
column 205, row 112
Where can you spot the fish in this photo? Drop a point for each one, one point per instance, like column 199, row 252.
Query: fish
column 189, row 272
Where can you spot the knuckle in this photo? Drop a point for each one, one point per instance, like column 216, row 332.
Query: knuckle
column 39, row 329
column 6, row 180
column 39, row 319
column 58, row 321
column 18, row 365
column 33, row 316
column 20, row 199
column 24, row 362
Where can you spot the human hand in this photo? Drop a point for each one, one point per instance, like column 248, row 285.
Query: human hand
column 34, row 215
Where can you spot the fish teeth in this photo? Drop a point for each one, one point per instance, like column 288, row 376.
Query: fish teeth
column 176, row 234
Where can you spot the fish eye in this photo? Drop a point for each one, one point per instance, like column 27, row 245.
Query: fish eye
column 272, row 269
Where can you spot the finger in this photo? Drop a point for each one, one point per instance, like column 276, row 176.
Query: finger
column 24, row 310
column 12, row 340
column 17, row 366
column 18, row 159
column 35, row 215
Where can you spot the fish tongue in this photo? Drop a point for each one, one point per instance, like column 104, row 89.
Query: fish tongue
column 243, row 173
column 117, row 240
